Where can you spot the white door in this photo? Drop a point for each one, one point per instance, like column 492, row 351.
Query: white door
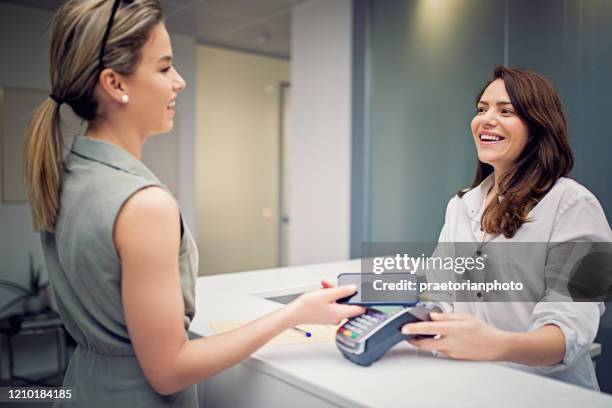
column 238, row 159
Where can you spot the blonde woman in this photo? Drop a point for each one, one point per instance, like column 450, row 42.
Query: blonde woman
column 120, row 260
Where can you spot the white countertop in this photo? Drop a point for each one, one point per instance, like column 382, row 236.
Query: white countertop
column 403, row 377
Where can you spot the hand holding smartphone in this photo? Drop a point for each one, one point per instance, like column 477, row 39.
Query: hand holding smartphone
column 372, row 291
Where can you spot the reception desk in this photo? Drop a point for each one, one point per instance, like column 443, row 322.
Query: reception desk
column 316, row 375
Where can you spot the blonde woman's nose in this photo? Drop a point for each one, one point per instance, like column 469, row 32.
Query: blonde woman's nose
column 179, row 83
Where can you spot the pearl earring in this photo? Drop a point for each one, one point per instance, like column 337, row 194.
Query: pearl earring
column 125, row 99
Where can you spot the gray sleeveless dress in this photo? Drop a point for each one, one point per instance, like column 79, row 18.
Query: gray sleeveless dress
column 85, row 274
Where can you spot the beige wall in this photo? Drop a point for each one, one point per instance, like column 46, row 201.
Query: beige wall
column 237, row 159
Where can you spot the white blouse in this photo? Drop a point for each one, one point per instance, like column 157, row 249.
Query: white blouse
column 568, row 213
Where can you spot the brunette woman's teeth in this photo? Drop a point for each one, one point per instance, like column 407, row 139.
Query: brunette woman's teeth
column 490, row 137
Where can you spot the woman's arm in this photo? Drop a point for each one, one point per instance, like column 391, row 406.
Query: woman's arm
column 146, row 235
column 543, row 346
column 465, row 337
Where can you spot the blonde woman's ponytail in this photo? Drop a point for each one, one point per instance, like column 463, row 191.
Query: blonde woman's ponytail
column 43, row 159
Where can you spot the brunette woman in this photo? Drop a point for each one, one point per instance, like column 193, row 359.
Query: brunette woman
column 521, row 193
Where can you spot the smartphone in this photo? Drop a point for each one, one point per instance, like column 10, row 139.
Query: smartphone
column 372, row 289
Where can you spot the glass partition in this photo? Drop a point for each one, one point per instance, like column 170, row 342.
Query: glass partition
column 427, row 60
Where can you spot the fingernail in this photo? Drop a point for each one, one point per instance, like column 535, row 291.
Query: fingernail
column 434, row 314
column 353, row 288
column 406, row 330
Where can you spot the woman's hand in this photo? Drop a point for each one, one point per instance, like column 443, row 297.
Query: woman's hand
column 459, row 336
column 320, row 307
column 326, row 284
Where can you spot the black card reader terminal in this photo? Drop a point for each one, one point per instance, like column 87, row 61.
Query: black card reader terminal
column 366, row 338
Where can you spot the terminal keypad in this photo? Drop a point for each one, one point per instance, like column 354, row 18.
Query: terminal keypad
column 359, row 326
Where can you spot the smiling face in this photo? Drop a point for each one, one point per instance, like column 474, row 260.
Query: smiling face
column 155, row 84
column 499, row 133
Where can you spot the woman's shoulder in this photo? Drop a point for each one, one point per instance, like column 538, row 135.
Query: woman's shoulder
column 567, row 184
column 575, row 212
column 455, row 199
column 93, row 193
column 454, row 204
column 568, row 192
column 86, row 179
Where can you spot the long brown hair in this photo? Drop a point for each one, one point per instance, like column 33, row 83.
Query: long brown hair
column 547, row 156
column 77, row 31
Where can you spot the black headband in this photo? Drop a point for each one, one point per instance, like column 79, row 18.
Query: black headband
column 60, row 101
column 106, row 34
